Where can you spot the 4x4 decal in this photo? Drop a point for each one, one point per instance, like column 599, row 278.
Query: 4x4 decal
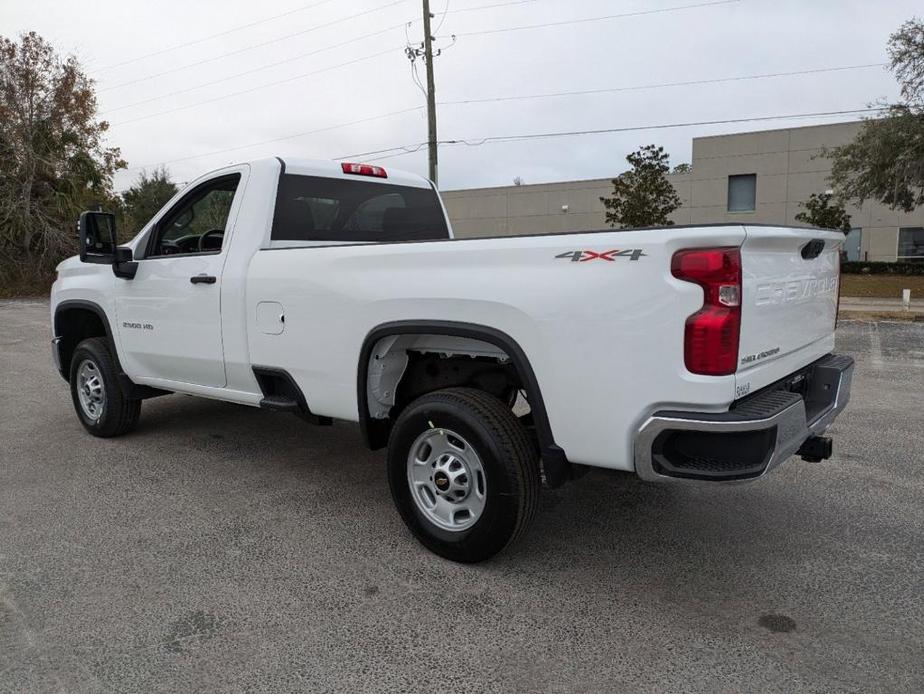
column 584, row 256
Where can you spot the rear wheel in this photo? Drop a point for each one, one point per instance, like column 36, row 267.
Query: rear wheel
column 101, row 406
column 463, row 473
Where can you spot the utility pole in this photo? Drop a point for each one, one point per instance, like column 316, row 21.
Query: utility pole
column 431, row 93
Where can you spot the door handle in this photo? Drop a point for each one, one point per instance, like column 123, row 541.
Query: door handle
column 202, row 279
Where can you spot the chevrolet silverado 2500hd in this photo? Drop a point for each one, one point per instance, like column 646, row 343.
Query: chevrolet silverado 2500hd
column 337, row 291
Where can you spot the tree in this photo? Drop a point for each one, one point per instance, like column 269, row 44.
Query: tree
column 682, row 169
column 642, row 196
column 906, row 59
column 885, row 161
column 823, row 210
column 146, row 196
column 53, row 162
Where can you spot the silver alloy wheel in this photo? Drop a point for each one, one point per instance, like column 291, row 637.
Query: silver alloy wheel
column 446, row 479
column 90, row 391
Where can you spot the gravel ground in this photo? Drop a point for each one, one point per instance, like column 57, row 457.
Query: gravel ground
column 221, row 548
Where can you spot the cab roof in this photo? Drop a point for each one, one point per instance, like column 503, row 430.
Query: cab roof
column 333, row 169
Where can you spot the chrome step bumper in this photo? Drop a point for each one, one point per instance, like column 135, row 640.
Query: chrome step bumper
column 755, row 435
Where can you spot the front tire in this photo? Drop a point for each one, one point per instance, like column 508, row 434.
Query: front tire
column 101, row 406
column 463, row 473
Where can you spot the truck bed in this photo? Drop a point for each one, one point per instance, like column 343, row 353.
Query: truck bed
column 599, row 315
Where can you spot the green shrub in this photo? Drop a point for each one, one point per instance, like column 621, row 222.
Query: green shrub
column 876, row 268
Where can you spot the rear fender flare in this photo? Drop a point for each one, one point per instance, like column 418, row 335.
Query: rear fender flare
column 375, row 432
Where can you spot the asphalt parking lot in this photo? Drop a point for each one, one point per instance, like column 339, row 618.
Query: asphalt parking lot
column 221, row 548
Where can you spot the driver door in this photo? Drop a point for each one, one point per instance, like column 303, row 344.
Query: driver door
column 169, row 315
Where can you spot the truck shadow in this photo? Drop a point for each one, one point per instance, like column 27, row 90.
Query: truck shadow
column 606, row 541
column 600, row 534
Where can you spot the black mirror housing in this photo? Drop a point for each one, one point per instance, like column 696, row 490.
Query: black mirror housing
column 96, row 232
column 122, row 265
column 123, row 254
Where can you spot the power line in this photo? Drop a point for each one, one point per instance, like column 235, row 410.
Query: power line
column 641, row 87
column 539, row 136
column 258, row 45
column 257, row 88
column 512, row 98
column 252, row 71
column 271, row 65
column 489, row 7
column 241, row 27
column 283, row 38
column 279, row 139
column 405, row 149
column 376, row 33
column 443, row 18
column 213, row 36
column 477, row 142
column 568, row 22
column 401, row 150
column 362, row 37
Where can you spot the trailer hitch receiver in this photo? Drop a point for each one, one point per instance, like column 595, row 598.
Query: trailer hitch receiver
column 815, row 449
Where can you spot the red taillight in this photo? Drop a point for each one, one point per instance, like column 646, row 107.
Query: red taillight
column 363, row 170
column 710, row 341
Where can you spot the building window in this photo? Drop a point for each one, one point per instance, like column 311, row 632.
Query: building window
column 742, row 193
column 911, row 245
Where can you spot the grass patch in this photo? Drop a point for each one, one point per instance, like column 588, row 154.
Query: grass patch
column 882, row 286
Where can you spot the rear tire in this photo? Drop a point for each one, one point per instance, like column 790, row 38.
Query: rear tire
column 101, row 406
column 463, row 473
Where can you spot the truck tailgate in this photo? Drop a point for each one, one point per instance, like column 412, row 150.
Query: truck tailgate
column 789, row 301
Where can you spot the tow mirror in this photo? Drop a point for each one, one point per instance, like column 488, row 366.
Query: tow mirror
column 96, row 232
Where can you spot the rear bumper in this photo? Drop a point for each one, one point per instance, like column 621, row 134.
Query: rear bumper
column 753, row 437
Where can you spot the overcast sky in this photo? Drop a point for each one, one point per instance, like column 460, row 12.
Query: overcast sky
column 180, row 120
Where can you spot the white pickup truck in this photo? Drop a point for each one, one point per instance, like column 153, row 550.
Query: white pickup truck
column 486, row 366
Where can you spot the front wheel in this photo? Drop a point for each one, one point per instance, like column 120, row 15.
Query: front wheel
column 463, row 473
column 101, row 406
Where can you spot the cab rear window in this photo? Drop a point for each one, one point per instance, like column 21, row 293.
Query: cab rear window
column 313, row 208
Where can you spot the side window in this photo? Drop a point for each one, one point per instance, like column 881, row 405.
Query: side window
column 197, row 223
